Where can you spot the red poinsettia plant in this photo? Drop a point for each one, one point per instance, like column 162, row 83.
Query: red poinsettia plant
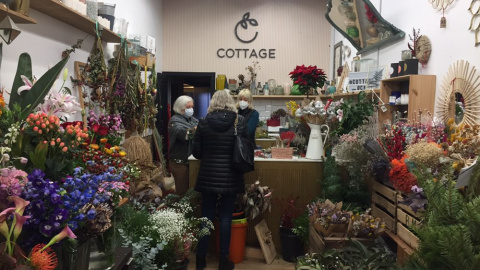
column 308, row 77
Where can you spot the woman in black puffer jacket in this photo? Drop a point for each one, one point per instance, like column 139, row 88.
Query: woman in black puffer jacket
column 217, row 181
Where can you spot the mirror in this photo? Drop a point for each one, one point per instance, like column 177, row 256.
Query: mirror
column 459, row 102
column 361, row 24
column 459, row 96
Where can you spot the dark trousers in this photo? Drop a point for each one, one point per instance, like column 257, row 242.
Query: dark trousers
column 209, row 206
column 181, row 175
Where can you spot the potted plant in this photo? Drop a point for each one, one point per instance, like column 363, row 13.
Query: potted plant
column 292, row 245
column 248, row 206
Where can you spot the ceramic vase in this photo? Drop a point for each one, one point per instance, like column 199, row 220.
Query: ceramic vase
column 316, row 141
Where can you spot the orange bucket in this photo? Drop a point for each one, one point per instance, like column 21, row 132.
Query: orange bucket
column 238, row 240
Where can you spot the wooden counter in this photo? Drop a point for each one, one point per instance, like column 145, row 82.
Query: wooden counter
column 287, row 178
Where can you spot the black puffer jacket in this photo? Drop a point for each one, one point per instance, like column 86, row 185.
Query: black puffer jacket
column 213, row 145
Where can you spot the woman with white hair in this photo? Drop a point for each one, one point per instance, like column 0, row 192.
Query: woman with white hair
column 217, row 181
column 181, row 128
column 245, row 109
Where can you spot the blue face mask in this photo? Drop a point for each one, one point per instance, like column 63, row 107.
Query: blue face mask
column 189, row 112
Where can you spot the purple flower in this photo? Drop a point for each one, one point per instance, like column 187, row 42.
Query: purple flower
column 38, row 206
column 55, row 198
column 91, row 214
column 47, row 229
column 59, row 215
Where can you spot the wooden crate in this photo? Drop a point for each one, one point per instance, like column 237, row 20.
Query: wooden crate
column 318, row 244
column 384, row 205
column 407, row 236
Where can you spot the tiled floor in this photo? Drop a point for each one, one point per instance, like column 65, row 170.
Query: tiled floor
column 253, row 260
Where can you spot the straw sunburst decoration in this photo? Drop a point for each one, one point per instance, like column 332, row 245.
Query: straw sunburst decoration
column 461, row 78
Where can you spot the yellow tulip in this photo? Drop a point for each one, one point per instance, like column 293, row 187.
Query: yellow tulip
column 122, row 153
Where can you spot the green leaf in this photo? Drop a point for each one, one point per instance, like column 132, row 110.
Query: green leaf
column 40, row 89
column 24, row 68
column 39, row 156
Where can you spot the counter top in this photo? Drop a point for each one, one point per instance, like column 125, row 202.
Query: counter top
column 295, row 159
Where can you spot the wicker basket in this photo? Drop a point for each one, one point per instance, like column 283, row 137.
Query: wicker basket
column 282, row 153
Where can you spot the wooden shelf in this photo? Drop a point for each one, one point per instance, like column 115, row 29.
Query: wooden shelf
column 71, row 17
column 404, row 78
column 299, row 97
column 15, row 16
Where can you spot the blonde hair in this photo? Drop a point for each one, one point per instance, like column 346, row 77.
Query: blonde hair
column 221, row 100
column 246, row 94
column 181, row 103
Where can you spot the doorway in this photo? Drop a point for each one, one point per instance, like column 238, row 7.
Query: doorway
column 198, row 85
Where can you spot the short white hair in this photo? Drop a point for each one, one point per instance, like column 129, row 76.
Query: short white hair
column 181, row 104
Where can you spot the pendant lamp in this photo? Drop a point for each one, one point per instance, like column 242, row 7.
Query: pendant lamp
column 8, row 30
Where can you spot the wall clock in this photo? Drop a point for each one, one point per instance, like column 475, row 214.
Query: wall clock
column 459, row 95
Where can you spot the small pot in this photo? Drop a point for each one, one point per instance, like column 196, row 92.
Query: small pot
column 292, row 245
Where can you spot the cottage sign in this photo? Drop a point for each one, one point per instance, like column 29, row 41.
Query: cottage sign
column 245, row 52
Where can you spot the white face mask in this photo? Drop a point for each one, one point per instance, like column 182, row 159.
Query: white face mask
column 189, row 112
column 243, row 104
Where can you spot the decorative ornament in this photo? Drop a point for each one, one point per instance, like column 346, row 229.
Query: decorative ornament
column 423, row 49
column 460, row 79
column 476, row 18
column 441, row 5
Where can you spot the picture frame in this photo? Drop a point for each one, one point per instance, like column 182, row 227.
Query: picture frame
column 374, row 77
column 337, row 59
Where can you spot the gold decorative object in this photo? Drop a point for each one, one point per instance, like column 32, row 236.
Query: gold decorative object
column 461, row 80
column 476, row 19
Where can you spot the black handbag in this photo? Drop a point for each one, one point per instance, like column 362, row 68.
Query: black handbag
column 243, row 157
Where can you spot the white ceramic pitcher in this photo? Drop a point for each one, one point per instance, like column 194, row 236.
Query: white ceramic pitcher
column 316, row 143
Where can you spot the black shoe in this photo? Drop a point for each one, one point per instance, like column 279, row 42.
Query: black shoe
column 200, row 263
column 225, row 264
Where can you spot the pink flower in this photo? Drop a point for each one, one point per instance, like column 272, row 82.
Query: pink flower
column 339, row 114
column 66, row 232
column 19, row 221
column 23, row 160
column 20, row 204
column 28, row 85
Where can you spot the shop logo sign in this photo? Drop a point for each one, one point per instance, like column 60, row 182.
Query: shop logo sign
column 244, row 22
column 246, row 53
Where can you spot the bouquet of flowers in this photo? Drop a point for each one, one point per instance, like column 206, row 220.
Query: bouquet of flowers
column 365, row 226
column 179, row 230
column 328, row 218
column 308, row 77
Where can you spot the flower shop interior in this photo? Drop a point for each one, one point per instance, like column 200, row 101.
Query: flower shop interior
column 366, row 133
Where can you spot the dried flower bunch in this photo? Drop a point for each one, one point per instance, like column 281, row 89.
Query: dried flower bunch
column 252, row 70
column 463, row 141
column 365, row 226
column 256, row 200
column 426, row 154
column 328, row 218
column 400, row 177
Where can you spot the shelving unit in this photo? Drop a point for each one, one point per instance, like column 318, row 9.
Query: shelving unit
column 421, row 92
column 15, row 16
column 59, row 11
column 299, row 97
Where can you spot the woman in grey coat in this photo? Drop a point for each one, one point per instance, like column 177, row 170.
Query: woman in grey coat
column 181, row 129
